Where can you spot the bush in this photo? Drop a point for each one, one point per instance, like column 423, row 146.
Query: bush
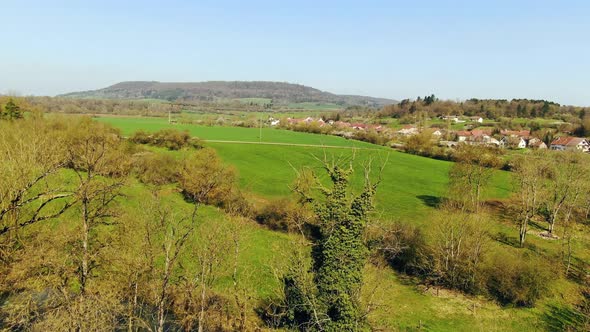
column 401, row 245
column 171, row 139
column 370, row 136
column 517, row 280
column 457, row 246
column 236, row 204
column 156, row 168
column 204, row 178
column 283, row 215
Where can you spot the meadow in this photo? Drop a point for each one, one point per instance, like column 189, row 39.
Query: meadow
column 410, row 188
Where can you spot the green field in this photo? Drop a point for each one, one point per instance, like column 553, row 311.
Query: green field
column 410, row 185
column 315, row 106
column 130, row 125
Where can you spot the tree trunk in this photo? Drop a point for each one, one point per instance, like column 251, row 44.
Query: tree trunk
column 552, row 222
column 203, row 296
column 523, row 230
column 132, row 307
column 162, row 302
column 85, row 231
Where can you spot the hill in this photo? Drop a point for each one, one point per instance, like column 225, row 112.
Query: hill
column 278, row 92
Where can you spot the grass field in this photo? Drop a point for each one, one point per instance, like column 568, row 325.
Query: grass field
column 130, row 125
column 410, row 183
column 410, row 186
column 315, row 106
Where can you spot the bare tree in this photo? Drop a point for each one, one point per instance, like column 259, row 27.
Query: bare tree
column 32, row 153
column 93, row 154
column 561, row 185
column 471, row 174
column 529, row 176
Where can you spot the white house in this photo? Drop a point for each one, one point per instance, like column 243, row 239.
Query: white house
column 513, row 142
column 275, row 122
column 570, row 143
column 476, row 119
column 535, row 143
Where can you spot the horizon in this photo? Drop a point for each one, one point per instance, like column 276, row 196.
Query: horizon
column 456, row 50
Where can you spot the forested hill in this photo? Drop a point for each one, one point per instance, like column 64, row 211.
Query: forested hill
column 280, row 93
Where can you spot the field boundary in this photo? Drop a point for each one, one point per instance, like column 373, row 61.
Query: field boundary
column 291, row 144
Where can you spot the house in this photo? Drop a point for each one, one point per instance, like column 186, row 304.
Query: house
column 462, row 135
column 535, row 143
column 513, row 142
column 437, row 133
column 482, row 140
column 478, row 119
column 408, row 130
column 570, row 143
column 275, row 122
column 477, row 137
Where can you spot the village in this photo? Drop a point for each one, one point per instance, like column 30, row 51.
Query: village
column 472, row 134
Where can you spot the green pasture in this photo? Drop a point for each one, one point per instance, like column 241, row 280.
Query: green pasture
column 130, row 125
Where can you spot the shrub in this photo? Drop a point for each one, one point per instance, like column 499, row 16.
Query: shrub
column 517, row 280
column 457, row 248
column 156, row 168
column 283, row 215
column 141, row 137
column 370, row 136
column 236, row 204
column 401, row 245
column 171, row 139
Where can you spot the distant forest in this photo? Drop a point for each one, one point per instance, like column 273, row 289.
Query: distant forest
column 487, row 108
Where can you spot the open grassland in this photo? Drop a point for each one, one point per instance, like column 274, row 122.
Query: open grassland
column 130, row 125
column 411, row 186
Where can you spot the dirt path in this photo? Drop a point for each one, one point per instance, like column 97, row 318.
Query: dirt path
column 290, row 144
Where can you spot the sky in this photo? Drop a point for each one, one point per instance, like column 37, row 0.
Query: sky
column 393, row 49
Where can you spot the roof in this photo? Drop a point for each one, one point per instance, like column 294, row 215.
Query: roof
column 535, row 142
column 568, row 141
column 481, row 132
column 463, row 133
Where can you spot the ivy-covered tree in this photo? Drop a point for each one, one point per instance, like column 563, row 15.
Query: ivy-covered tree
column 340, row 253
column 12, row 110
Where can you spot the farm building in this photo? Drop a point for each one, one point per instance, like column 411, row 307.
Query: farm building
column 570, row 143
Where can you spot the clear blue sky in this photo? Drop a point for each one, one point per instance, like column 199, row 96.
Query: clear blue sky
column 396, row 49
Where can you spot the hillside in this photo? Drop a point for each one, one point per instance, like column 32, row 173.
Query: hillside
column 280, row 93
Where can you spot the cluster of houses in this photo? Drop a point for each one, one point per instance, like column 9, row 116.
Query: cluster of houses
column 457, row 119
column 338, row 124
column 511, row 139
